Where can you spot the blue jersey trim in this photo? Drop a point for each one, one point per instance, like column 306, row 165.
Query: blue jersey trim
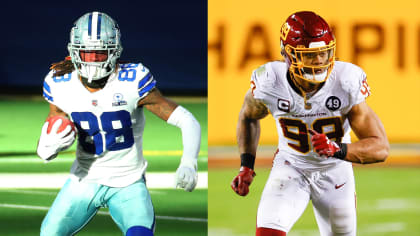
column 47, row 87
column 48, row 97
column 144, row 81
column 147, row 88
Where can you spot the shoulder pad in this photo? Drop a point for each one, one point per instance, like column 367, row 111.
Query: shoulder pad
column 264, row 77
column 139, row 74
column 49, row 83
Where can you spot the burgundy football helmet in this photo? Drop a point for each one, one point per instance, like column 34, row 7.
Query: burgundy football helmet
column 308, row 46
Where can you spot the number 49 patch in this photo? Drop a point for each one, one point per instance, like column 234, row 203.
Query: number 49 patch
column 333, row 103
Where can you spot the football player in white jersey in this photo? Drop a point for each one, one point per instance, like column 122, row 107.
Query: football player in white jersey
column 105, row 100
column 315, row 101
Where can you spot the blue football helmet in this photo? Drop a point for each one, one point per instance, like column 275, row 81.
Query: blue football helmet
column 95, row 31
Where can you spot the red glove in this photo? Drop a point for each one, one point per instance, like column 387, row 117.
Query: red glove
column 322, row 145
column 240, row 184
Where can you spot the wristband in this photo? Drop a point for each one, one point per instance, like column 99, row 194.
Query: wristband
column 341, row 154
column 248, row 160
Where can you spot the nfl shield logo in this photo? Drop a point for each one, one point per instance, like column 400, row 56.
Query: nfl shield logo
column 95, row 102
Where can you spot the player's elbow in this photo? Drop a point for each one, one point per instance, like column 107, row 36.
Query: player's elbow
column 382, row 152
column 385, row 153
column 376, row 152
column 382, row 156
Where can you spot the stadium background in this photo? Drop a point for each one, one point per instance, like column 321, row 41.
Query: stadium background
column 169, row 37
column 383, row 38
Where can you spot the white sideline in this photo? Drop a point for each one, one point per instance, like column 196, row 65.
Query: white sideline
column 43, row 208
column 155, row 180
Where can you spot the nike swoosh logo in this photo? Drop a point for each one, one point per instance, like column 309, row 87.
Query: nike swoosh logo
column 339, row 186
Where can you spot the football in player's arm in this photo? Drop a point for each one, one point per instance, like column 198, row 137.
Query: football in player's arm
column 104, row 99
column 315, row 101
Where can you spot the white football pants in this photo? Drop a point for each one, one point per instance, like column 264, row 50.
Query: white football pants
column 288, row 191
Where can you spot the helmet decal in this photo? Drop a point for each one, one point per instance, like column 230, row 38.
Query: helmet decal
column 94, row 24
column 284, row 31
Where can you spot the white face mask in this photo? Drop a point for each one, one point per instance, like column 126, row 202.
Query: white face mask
column 92, row 72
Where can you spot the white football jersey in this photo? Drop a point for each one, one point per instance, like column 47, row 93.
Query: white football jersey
column 109, row 123
column 345, row 87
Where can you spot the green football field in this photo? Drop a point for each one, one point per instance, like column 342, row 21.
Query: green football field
column 22, row 209
column 388, row 203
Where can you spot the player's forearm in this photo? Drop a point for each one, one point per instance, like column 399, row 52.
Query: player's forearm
column 248, row 128
column 248, row 134
column 191, row 134
column 368, row 150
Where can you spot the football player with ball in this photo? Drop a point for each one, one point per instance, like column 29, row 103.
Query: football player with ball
column 315, row 102
column 104, row 99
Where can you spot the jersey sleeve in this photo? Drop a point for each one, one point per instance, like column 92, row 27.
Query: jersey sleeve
column 262, row 82
column 56, row 88
column 145, row 82
column 48, row 88
column 140, row 76
column 360, row 89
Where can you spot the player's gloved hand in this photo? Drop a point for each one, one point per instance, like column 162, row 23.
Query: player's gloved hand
column 240, row 184
column 322, row 145
column 51, row 143
column 186, row 175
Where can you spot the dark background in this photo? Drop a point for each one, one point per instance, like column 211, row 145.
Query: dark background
column 168, row 37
